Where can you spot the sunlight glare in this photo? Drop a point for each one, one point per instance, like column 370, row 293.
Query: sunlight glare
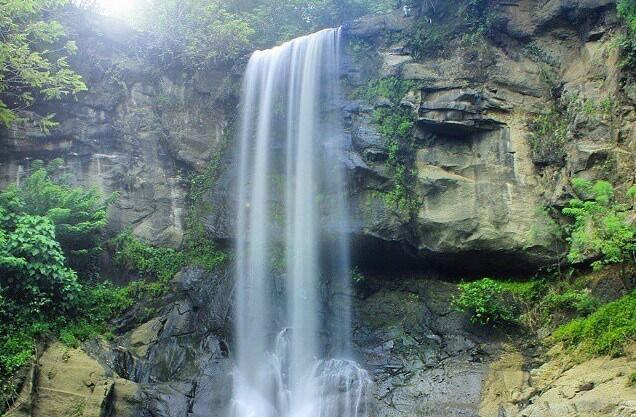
column 117, row 8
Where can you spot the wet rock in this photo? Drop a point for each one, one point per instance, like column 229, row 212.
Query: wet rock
column 526, row 18
column 587, row 154
column 424, row 358
column 180, row 359
column 165, row 400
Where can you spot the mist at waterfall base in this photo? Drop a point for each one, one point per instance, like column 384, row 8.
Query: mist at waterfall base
column 292, row 308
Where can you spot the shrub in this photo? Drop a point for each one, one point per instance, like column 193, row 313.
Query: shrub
column 603, row 230
column 429, row 40
column 32, row 269
column 40, row 294
column 392, row 88
column 15, row 352
column 485, row 301
column 470, row 22
column 149, row 261
column 72, row 334
column 79, row 214
column 157, row 265
column 395, row 124
column 579, row 302
column 605, row 332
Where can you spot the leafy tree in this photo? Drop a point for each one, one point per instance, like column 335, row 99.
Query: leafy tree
column 40, row 294
column 203, row 32
column 603, row 231
column 199, row 32
column 33, row 64
column 627, row 10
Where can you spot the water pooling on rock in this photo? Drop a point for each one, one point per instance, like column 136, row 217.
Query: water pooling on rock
column 292, row 340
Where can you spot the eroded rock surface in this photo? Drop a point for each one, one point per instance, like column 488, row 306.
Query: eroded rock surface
column 598, row 387
column 138, row 131
column 68, row 382
column 425, row 359
column 481, row 189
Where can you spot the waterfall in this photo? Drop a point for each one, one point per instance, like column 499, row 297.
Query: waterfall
column 292, row 308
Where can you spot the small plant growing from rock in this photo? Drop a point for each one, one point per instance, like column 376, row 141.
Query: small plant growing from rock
column 548, row 137
column 484, row 300
column 356, row 276
column 604, row 231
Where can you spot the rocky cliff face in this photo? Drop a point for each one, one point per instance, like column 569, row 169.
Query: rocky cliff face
column 140, row 131
column 481, row 192
column 425, row 360
column 481, row 187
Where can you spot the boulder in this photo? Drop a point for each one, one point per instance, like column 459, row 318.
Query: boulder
column 597, row 387
column 68, row 382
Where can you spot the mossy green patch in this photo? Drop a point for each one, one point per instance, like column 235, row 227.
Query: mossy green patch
column 605, row 332
column 395, row 123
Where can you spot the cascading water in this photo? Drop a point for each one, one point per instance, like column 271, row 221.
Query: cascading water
column 292, row 246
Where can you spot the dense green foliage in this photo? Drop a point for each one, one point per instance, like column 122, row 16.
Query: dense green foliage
column 159, row 265
column 40, row 294
column 44, row 223
column 33, row 58
column 452, row 24
column 392, row 88
column 199, row 32
column 604, row 231
column 532, row 304
column 78, row 214
column 606, row 331
column 34, row 277
column 485, row 301
column 577, row 302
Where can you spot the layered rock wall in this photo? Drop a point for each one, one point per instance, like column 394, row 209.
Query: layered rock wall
column 487, row 200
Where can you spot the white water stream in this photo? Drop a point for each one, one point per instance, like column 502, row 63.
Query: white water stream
column 292, row 312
